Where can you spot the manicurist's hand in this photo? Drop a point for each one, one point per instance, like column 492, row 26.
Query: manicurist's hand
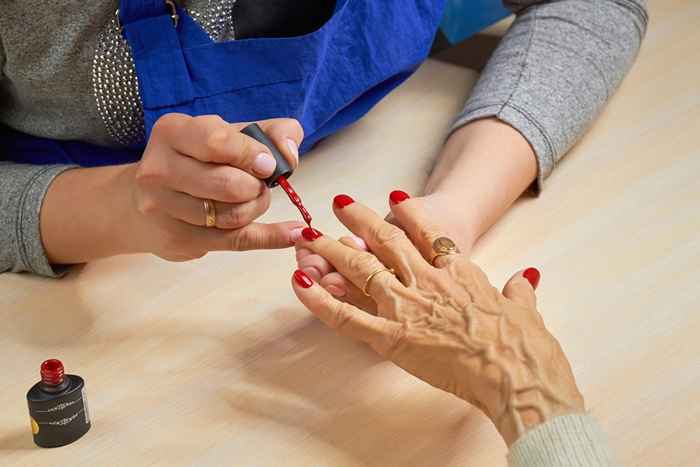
column 194, row 169
column 441, row 320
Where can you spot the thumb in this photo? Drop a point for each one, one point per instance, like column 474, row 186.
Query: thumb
column 520, row 288
column 257, row 236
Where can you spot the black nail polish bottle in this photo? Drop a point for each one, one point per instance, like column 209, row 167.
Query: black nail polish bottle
column 57, row 407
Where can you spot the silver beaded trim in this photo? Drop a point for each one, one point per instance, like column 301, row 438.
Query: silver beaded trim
column 216, row 17
column 116, row 87
column 114, row 80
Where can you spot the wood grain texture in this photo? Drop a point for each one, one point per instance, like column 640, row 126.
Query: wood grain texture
column 214, row 362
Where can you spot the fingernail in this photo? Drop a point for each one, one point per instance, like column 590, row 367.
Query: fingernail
column 310, row 234
column 302, row 279
column 341, row 201
column 264, row 164
column 336, row 291
column 398, row 197
column 295, row 234
column 360, row 243
column 293, row 148
column 533, row 276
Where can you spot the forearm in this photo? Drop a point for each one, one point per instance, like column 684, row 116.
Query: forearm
column 22, row 190
column 85, row 215
column 483, row 168
column 555, row 69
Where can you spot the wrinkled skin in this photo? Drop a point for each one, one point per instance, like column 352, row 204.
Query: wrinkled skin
column 445, row 324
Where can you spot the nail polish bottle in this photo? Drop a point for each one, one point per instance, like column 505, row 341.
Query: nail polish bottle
column 58, row 408
column 283, row 168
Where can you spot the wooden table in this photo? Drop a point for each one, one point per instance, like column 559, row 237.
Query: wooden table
column 213, row 362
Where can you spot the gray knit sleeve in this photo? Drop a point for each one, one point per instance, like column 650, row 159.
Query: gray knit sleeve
column 22, row 190
column 573, row 440
column 556, row 67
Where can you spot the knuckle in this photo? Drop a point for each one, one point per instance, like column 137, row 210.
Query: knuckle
column 215, row 143
column 247, row 239
column 167, row 122
column 341, row 316
column 395, row 337
column 246, row 148
column 210, row 120
column 237, row 217
column 428, row 233
column 362, row 261
column 147, row 205
column 226, row 186
column 386, row 234
column 150, row 173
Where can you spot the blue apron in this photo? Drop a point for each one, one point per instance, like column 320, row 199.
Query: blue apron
column 327, row 79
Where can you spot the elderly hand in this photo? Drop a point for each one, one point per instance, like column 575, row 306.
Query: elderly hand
column 445, row 324
column 320, row 270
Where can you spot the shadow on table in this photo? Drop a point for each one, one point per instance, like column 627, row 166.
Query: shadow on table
column 56, row 314
column 472, row 53
column 17, row 441
column 347, row 397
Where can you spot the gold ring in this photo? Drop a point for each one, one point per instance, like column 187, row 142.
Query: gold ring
column 443, row 246
column 209, row 213
column 371, row 276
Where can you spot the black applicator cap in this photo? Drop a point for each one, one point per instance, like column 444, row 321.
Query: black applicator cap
column 283, row 168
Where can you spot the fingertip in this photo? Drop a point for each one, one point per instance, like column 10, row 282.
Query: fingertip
column 533, row 277
column 519, row 289
column 295, row 236
column 397, row 197
column 301, row 279
column 293, row 151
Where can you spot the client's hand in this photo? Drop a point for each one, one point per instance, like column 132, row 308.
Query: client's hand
column 445, row 323
column 320, row 270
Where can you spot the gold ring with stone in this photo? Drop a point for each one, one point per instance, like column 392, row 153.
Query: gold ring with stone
column 209, row 213
column 443, row 246
column 371, row 276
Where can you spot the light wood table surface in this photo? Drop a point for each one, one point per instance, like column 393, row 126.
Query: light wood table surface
column 213, row 362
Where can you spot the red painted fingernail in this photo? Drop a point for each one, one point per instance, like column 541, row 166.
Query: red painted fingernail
column 398, row 197
column 533, row 277
column 341, row 201
column 310, row 234
column 302, row 279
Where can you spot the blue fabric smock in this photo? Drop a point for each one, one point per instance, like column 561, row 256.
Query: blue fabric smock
column 327, row 79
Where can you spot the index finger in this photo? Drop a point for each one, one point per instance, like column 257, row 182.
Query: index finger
column 209, row 138
column 380, row 333
column 357, row 266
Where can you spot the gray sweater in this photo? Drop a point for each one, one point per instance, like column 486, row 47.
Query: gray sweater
column 555, row 69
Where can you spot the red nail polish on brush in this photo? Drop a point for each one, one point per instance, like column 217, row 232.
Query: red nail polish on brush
column 533, row 277
column 398, row 197
column 341, row 201
column 283, row 170
column 302, row 279
column 310, row 234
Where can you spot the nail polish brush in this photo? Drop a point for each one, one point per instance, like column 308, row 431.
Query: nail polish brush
column 282, row 171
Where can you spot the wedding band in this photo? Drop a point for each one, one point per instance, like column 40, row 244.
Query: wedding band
column 443, row 246
column 371, row 276
column 209, row 213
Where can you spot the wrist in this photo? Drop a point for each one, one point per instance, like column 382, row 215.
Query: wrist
column 84, row 215
column 540, row 409
column 482, row 169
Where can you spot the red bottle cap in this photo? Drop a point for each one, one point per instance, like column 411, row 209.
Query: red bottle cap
column 52, row 372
